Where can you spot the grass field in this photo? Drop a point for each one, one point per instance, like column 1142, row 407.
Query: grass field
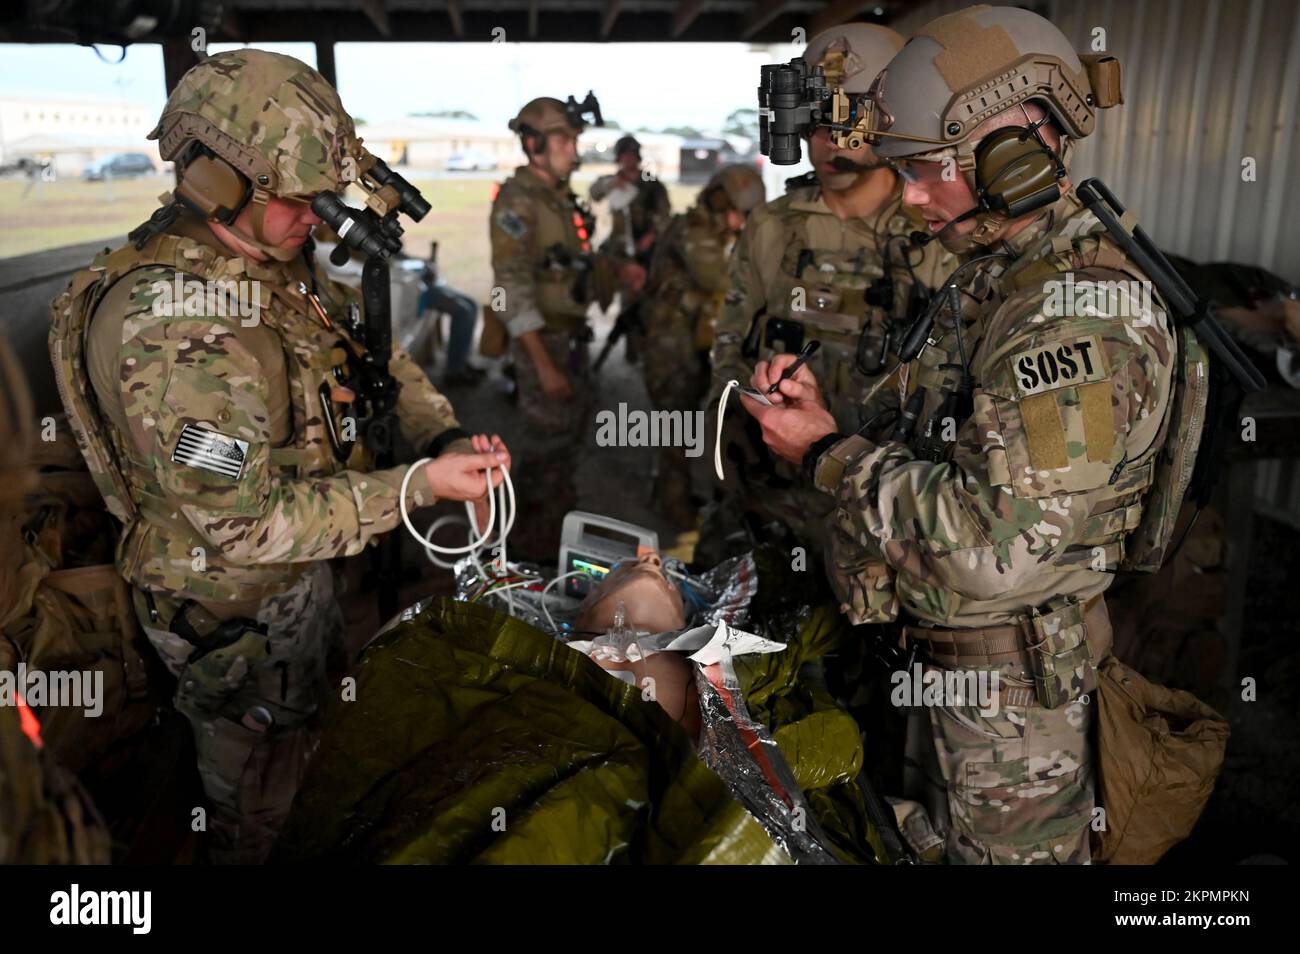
column 70, row 211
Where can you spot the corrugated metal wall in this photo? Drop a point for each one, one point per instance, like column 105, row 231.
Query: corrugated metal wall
column 1207, row 83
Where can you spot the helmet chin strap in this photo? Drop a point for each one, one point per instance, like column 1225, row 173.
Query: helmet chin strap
column 257, row 237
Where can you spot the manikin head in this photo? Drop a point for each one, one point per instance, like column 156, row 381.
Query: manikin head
column 648, row 602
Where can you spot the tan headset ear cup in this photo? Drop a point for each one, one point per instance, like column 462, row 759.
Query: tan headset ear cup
column 213, row 187
column 1015, row 175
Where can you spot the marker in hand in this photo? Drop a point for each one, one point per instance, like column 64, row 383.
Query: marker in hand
column 806, row 352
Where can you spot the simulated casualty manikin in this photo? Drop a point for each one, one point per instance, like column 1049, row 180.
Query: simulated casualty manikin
column 665, row 718
column 637, row 598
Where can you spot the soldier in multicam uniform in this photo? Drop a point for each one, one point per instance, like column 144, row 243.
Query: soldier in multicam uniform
column 206, row 429
column 639, row 213
column 830, row 260
column 689, row 276
column 546, row 276
column 990, row 531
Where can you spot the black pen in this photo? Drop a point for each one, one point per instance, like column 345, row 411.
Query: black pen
column 806, row 352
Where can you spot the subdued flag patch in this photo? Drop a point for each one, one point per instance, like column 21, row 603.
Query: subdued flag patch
column 210, row 450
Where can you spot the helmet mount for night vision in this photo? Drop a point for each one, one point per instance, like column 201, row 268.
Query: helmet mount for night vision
column 577, row 112
column 545, row 115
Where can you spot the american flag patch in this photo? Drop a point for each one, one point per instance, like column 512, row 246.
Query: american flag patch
column 209, row 450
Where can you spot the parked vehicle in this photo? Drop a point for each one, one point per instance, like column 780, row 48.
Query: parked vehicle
column 120, row 165
column 470, row 162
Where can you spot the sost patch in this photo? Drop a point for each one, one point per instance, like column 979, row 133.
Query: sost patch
column 209, row 450
column 512, row 224
column 1060, row 364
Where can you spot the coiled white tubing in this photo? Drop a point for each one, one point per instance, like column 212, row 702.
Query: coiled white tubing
column 717, row 438
column 478, row 539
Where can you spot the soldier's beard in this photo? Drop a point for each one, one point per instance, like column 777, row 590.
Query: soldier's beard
column 847, row 174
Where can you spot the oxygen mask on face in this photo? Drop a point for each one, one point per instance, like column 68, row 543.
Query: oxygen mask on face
column 618, row 644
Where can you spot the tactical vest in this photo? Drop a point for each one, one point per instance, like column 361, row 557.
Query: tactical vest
column 825, row 294
column 1131, row 526
column 563, row 260
column 155, row 548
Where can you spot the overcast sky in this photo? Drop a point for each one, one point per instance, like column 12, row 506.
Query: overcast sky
column 638, row 84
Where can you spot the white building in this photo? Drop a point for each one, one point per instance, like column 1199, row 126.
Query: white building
column 428, row 143
column 72, row 132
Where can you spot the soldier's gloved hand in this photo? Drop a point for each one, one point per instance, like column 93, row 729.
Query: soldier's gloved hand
column 484, row 444
column 798, row 417
column 555, row 383
column 460, row 476
column 631, row 276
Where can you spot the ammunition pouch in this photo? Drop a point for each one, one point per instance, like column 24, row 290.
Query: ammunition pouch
column 1060, row 658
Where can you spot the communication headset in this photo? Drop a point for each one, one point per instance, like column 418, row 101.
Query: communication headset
column 525, row 132
column 211, row 186
column 1016, row 171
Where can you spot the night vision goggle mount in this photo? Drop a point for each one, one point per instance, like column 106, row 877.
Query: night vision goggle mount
column 794, row 100
column 577, row 112
column 375, row 232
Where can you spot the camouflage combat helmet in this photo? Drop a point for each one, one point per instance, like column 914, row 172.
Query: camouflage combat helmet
column 545, row 115
column 741, row 184
column 852, row 54
column 272, row 117
column 627, row 144
column 963, row 68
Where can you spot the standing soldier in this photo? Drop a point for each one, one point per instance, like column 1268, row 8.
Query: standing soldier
column 830, row 260
column 639, row 212
column 209, row 420
column 688, row 278
column 1034, row 470
column 546, row 276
